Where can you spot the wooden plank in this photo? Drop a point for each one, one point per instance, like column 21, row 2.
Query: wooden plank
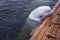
column 56, row 6
column 58, row 35
column 51, row 38
column 56, row 20
column 55, row 9
column 49, row 31
column 43, row 31
column 58, row 11
column 44, row 37
column 54, row 31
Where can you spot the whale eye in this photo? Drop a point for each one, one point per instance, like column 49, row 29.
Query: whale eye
column 41, row 16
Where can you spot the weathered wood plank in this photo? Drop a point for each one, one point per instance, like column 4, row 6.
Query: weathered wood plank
column 56, row 20
column 43, row 31
column 58, row 35
column 44, row 37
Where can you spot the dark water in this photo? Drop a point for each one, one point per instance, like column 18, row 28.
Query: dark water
column 13, row 14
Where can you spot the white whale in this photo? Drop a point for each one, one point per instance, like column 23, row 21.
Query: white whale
column 36, row 16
